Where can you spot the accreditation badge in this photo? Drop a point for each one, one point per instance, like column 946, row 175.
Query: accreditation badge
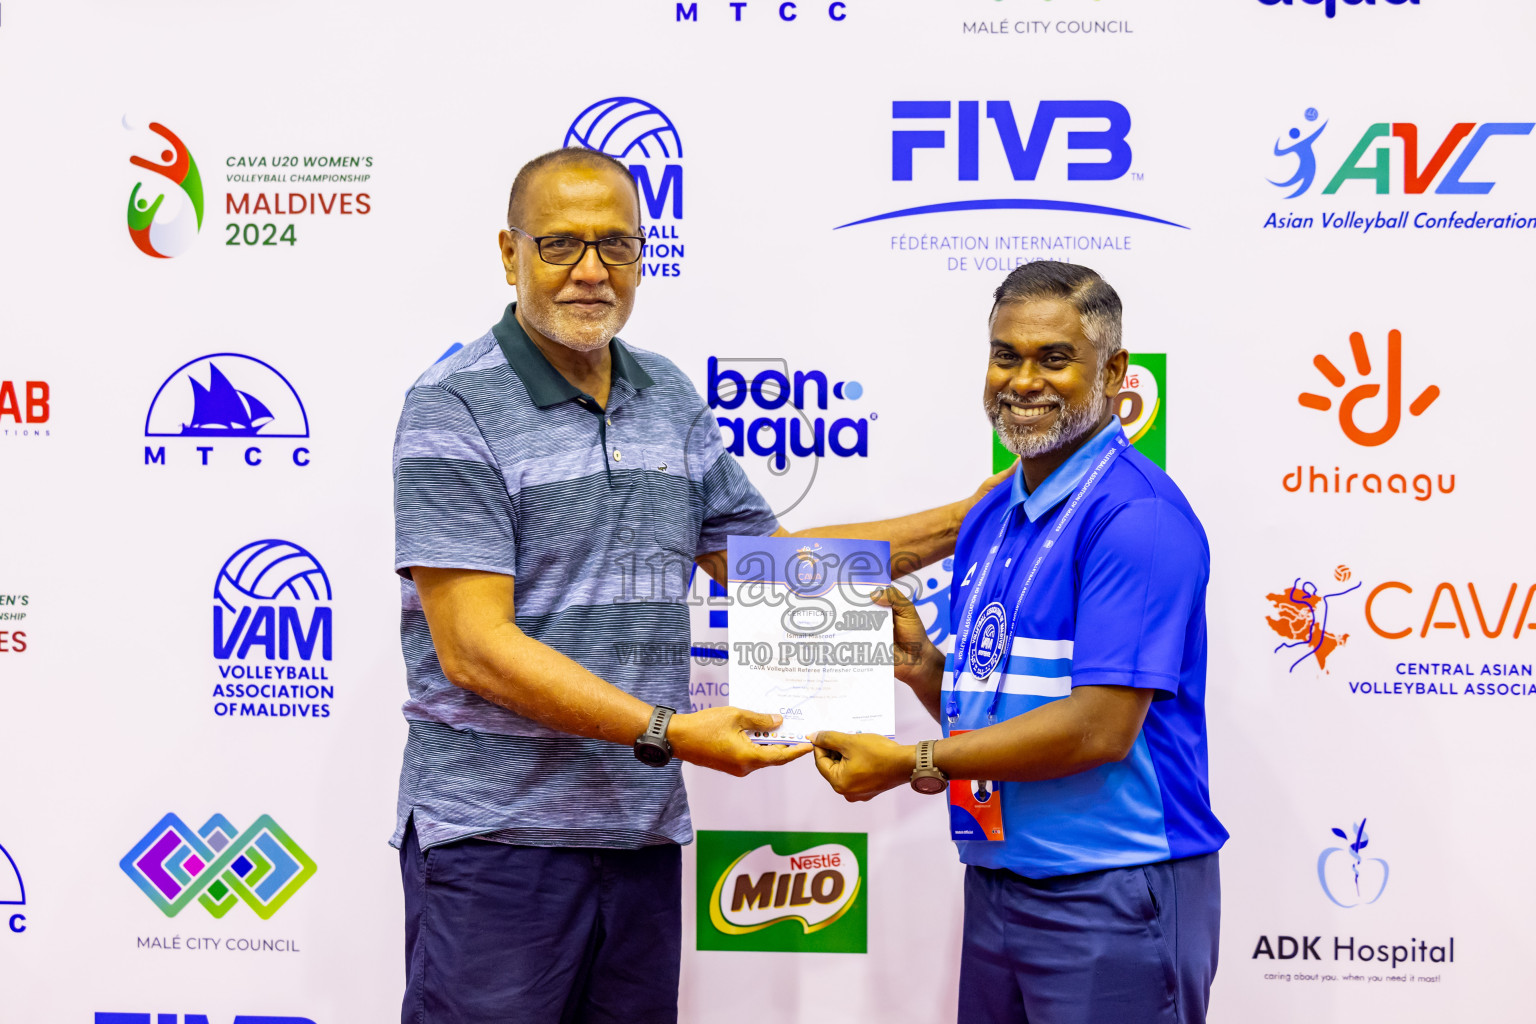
column 975, row 808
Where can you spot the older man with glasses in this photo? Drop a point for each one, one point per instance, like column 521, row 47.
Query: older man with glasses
column 541, row 801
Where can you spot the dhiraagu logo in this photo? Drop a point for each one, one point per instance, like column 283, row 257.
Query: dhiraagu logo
column 1141, row 406
column 787, row 892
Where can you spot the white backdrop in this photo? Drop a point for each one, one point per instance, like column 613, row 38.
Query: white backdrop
column 786, row 131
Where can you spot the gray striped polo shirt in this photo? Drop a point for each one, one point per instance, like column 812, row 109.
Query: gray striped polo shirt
column 501, row 465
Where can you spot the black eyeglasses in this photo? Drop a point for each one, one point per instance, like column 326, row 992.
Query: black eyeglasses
column 565, row 251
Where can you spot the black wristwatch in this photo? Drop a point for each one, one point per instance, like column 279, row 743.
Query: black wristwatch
column 928, row 778
column 652, row 746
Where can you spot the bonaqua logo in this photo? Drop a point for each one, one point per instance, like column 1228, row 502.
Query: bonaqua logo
column 218, row 865
column 167, row 224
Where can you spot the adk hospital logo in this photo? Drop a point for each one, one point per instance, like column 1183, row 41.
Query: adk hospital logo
column 272, row 634
column 1393, row 158
column 163, row 220
column 226, row 409
column 218, row 866
column 1348, row 877
column 783, row 891
column 638, row 134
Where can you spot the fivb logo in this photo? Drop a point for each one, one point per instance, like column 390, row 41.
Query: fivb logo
column 218, row 866
column 784, row 891
column 272, row 628
column 1024, row 147
column 227, row 397
column 1371, row 158
column 168, row 224
column 1331, row 6
column 645, row 139
column 192, row 1018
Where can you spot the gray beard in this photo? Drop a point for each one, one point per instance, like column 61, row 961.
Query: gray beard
column 1072, row 423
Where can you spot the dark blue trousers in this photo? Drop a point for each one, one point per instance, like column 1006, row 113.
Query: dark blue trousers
column 1125, row 946
column 498, row 934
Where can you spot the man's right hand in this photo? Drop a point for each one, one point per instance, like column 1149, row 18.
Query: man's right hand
column 717, row 738
column 916, row 657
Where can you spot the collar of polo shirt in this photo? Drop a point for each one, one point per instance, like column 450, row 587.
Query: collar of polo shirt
column 546, row 387
column 1064, row 478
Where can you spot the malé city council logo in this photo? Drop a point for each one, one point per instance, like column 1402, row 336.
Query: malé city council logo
column 164, row 222
column 218, row 866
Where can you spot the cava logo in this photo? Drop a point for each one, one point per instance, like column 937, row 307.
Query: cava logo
column 226, row 397
column 1301, row 619
column 272, row 633
column 1142, row 406
column 638, row 134
column 783, row 891
column 1350, row 879
column 164, row 222
column 218, row 866
column 13, row 894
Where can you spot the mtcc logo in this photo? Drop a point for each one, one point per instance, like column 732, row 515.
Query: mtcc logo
column 1349, row 879
column 164, row 222
column 218, row 866
column 1371, row 158
column 272, row 631
column 1097, row 141
column 1361, row 392
column 639, row 134
column 13, row 893
column 226, row 397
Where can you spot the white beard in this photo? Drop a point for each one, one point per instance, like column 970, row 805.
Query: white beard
column 1072, row 422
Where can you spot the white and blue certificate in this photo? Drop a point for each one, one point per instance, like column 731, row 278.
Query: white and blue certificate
column 806, row 639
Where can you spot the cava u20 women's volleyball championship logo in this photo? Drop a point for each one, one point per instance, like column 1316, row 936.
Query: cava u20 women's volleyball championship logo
column 164, row 222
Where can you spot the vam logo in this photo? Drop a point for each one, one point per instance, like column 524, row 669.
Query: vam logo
column 1301, row 619
column 13, row 893
column 272, row 633
column 1348, row 878
column 1330, row 7
column 957, row 125
column 218, row 866
column 783, row 891
column 1142, row 406
column 226, row 397
column 1371, row 158
column 167, row 224
column 645, row 139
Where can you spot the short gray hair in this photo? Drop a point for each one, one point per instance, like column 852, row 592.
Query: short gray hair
column 1097, row 304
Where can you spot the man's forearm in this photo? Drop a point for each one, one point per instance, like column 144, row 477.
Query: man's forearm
column 509, row 668
column 1058, row 739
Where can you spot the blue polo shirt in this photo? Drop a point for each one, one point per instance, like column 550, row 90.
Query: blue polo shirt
column 1119, row 600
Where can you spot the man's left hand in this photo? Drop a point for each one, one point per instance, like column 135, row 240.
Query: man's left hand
column 862, row 766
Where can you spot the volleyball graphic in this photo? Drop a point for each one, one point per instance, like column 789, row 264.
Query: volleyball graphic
column 623, row 126
column 267, row 570
column 1342, row 573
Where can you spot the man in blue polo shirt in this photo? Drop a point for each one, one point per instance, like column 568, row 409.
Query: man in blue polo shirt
column 1077, row 687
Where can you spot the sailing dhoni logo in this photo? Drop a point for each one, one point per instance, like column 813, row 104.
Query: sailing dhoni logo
column 226, row 396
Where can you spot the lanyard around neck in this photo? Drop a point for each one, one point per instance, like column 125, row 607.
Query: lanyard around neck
column 964, row 642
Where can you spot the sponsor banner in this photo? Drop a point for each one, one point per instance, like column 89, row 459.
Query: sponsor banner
column 789, row 892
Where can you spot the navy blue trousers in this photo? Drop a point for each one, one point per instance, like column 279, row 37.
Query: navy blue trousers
column 499, row 934
column 1125, row 946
